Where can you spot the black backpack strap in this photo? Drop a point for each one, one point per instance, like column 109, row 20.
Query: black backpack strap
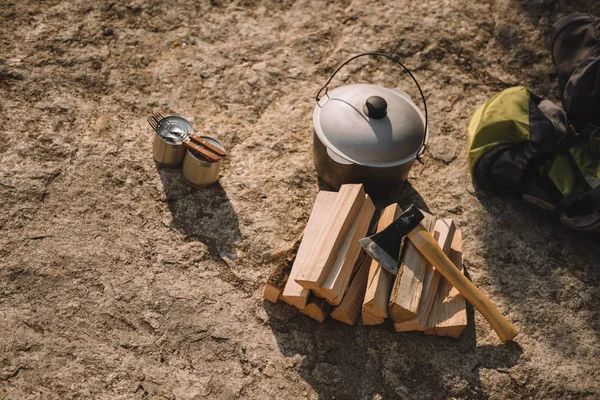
column 595, row 196
column 587, row 204
column 567, row 202
column 569, row 140
column 581, row 187
column 592, row 134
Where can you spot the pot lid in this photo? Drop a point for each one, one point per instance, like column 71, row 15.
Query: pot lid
column 370, row 125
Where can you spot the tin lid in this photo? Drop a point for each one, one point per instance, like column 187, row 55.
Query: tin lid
column 370, row 125
column 174, row 129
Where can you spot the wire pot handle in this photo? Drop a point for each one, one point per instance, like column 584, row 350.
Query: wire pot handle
column 376, row 54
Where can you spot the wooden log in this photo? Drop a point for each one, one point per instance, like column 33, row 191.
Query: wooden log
column 443, row 233
column 271, row 293
column 349, row 309
column 293, row 293
column 370, row 319
column 317, row 308
column 317, row 264
column 280, row 275
column 380, row 281
column 407, row 326
column 406, row 293
column 448, row 316
column 346, row 262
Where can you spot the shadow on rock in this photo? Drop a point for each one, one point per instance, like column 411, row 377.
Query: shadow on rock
column 362, row 362
column 356, row 362
column 405, row 195
column 558, row 8
column 544, row 269
column 205, row 214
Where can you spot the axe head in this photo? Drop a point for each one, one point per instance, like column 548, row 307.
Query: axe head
column 384, row 246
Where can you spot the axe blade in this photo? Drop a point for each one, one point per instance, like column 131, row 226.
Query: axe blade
column 384, row 246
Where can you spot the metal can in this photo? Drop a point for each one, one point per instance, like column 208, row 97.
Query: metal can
column 168, row 149
column 199, row 172
column 166, row 153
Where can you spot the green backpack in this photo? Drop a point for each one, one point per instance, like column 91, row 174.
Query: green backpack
column 520, row 143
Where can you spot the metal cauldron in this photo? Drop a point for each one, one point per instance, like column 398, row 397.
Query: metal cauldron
column 367, row 134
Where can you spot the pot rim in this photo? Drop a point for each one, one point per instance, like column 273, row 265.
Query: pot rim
column 322, row 137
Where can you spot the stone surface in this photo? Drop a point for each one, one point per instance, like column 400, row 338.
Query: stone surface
column 118, row 281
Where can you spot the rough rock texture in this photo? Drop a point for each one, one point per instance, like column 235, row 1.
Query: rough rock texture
column 118, row 281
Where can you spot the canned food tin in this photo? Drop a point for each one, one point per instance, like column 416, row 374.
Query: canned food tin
column 168, row 154
column 168, row 149
column 199, row 172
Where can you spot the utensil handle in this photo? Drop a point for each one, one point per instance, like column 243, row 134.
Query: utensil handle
column 210, row 156
column 318, row 96
column 198, row 139
column 427, row 245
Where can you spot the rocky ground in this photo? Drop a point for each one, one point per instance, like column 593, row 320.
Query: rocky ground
column 118, row 281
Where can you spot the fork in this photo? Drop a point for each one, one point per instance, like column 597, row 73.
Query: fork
column 162, row 120
column 156, row 119
column 153, row 123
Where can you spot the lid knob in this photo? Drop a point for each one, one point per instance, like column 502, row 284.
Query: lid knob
column 375, row 107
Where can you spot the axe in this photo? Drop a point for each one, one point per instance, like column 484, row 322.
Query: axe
column 385, row 246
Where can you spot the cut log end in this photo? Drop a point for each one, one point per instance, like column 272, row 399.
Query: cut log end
column 407, row 326
column 399, row 314
column 299, row 301
column 317, row 308
column 370, row 319
column 452, row 331
column 271, row 293
column 328, row 294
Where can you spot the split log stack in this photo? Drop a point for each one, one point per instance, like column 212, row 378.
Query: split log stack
column 327, row 272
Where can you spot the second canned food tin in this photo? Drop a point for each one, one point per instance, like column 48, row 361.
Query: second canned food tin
column 199, row 172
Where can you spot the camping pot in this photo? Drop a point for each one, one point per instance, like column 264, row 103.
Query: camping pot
column 364, row 133
column 198, row 171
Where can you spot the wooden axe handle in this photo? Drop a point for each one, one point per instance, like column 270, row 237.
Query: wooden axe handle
column 428, row 246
